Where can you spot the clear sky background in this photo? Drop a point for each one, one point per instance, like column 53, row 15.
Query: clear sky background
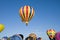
column 47, row 16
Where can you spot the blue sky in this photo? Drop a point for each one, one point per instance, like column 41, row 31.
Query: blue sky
column 47, row 16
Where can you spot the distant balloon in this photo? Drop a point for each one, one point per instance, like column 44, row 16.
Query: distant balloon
column 58, row 36
column 1, row 27
column 26, row 13
column 51, row 33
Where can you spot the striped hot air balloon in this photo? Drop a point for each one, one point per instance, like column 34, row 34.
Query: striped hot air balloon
column 26, row 13
column 51, row 33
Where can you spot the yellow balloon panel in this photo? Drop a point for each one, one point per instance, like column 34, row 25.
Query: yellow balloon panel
column 51, row 32
column 1, row 27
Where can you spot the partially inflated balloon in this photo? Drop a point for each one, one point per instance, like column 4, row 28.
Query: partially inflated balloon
column 58, row 36
column 16, row 37
column 51, row 33
column 33, row 35
column 29, row 38
column 1, row 27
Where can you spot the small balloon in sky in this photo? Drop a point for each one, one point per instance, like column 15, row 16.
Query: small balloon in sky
column 1, row 27
column 26, row 14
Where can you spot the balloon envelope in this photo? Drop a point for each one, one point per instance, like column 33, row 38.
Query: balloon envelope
column 51, row 33
column 58, row 36
column 33, row 35
column 15, row 37
column 26, row 13
column 1, row 27
column 20, row 35
column 29, row 38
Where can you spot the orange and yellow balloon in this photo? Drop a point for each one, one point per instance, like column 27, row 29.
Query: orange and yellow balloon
column 26, row 13
column 1, row 27
column 51, row 33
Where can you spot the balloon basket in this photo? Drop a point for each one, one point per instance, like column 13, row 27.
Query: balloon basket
column 26, row 24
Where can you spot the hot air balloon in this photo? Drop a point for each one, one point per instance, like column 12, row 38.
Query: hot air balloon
column 16, row 37
column 58, row 36
column 21, row 36
column 33, row 35
column 1, row 27
column 29, row 38
column 26, row 13
column 51, row 33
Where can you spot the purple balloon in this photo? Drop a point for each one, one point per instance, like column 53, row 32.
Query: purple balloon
column 58, row 36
